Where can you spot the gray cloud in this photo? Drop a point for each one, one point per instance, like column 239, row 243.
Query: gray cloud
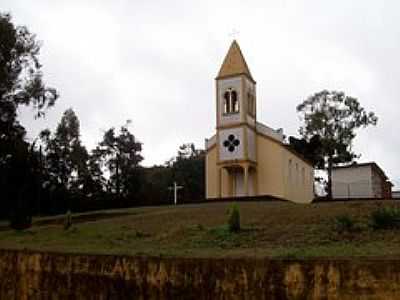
column 155, row 61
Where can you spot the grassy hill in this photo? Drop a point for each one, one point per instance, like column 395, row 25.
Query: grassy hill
column 276, row 229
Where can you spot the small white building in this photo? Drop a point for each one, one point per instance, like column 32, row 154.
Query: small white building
column 396, row 194
column 365, row 180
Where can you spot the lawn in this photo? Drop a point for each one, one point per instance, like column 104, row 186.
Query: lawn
column 269, row 229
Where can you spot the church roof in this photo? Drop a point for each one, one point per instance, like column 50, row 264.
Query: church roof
column 234, row 63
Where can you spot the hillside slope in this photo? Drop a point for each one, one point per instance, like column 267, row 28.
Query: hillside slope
column 268, row 229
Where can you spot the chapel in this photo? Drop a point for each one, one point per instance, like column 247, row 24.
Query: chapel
column 245, row 158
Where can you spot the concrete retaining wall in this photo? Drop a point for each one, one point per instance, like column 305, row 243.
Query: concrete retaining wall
column 35, row 275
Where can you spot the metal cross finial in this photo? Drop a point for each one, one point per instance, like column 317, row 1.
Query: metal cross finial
column 234, row 34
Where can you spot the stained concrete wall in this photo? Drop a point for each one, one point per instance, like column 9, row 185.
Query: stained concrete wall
column 31, row 275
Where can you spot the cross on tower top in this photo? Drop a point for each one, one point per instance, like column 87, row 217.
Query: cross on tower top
column 234, row 63
column 234, row 34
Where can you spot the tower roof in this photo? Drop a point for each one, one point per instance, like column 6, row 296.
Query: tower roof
column 234, row 63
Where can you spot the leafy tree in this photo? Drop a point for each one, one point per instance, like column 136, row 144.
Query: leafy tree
column 188, row 170
column 66, row 157
column 157, row 180
column 21, row 84
column 310, row 150
column 20, row 184
column 92, row 179
column 121, row 154
column 333, row 117
column 21, row 79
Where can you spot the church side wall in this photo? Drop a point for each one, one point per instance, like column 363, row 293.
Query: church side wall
column 251, row 144
column 212, row 177
column 211, row 173
column 298, row 178
column 269, row 168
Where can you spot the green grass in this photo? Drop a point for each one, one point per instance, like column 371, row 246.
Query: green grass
column 274, row 229
column 219, row 237
column 385, row 218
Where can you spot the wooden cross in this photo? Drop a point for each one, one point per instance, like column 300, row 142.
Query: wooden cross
column 175, row 188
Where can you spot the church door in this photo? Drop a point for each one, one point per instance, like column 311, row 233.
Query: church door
column 238, row 190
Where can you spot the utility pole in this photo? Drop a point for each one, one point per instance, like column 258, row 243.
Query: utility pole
column 175, row 188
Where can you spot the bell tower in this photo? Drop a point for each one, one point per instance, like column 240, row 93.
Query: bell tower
column 236, row 124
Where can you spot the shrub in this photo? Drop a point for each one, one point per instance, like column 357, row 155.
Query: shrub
column 344, row 223
column 385, row 218
column 21, row 221
column 234, row 218
column 67, row 220
column 21, row 215
column 200, row 227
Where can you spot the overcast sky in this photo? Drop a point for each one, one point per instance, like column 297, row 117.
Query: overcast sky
column 154, row 62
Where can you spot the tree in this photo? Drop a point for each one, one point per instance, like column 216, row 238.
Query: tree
column 334, row 118
column 157, row 180
column 310, row 150
column 21, row 79
column 20, row 184
column 188, row 170
column 93, row 181
column 66, row 157
column 21, row 83
column 122, row 155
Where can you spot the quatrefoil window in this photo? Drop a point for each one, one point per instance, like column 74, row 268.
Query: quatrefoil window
column 231, row 143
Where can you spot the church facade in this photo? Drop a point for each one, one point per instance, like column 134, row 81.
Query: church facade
column 246, row 158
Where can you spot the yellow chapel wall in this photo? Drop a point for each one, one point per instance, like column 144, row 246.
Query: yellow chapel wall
column 211, row 173
column 212, row 177
column 298, row 178
column 277, row 174
column 269, row 167
column 274, row 161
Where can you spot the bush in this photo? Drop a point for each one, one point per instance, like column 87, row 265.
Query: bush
column 344, row 223
column 234, row 218
column 67, row 220
column 20, row 221
column 385, row 218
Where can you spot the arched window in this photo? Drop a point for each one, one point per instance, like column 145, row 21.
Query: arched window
column 231, row 102
column 235, row 102
column 227, row 102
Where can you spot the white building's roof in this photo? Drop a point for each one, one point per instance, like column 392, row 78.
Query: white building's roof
column 372, row 165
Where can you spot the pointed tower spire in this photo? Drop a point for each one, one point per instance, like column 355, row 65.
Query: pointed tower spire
column 234, row 63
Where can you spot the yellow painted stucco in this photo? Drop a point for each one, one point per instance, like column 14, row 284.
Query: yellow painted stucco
column 234, row 63
column 299, row 187
column 263, row 165
column 212, row 179
column 272, row 174
column 275, row 177
column 269, row 168
column 211, row 173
